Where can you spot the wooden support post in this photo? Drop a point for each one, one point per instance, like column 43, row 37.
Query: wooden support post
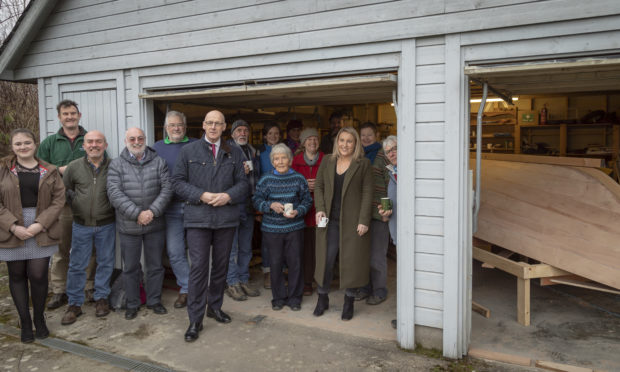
column 563, row 139
column 523, row 301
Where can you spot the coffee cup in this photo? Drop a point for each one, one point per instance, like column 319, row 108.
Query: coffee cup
column 323, row 222
column 386, row 204
column 288, row 208
column 249, row 164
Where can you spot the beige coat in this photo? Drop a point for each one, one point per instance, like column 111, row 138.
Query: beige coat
column 356, row 208
column 51, row 199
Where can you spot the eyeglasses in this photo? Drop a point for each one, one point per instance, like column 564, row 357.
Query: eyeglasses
column 213, row 123
column 393, row 149
column 176, row 126
column 136, row 139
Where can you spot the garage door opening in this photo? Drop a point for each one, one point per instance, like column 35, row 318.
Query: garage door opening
column 546, row 261
column 359, row 99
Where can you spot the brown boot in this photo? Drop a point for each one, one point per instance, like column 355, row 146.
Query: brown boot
column 57, row 300
column 71, row 315
column 181, row 301
column 102, row 308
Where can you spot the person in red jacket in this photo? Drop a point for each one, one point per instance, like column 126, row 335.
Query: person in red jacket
column 307, row 163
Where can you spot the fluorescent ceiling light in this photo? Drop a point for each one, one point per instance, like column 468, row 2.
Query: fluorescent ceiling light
column 478, row 100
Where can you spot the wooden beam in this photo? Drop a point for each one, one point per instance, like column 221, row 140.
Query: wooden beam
column 563, row 137
column 523, row 301
column 553, row 160
column 543, row 270
column 584, row 284
column 504, row 264
column 552, row 366
column 485, row 312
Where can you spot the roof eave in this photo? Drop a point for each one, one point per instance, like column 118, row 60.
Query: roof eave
column 22, row 35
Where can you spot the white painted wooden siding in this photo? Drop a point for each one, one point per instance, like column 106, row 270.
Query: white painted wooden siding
column 429, row 209
column 88, row 36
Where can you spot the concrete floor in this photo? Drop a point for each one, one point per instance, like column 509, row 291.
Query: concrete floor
column 569, row 325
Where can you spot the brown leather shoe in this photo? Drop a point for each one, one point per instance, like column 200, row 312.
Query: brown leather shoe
column 71, row 315
column 102, row 308
column 181, row 301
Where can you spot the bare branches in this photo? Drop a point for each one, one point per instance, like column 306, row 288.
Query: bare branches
column 10, row 11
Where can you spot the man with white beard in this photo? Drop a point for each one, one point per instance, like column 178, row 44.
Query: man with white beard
column 238, row 275
column 139, row 188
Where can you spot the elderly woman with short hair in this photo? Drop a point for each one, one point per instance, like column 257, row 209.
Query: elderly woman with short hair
column 283, row 229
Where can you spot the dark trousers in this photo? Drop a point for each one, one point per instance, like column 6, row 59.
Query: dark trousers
column 333, row 247
column 379, row 240
column 285, row 248
column 131, row 251
column 204, row 243
column 309, row 254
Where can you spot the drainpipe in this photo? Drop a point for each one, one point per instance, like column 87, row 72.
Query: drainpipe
column 485, row 89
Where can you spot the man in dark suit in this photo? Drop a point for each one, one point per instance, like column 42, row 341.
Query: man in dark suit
column 209, row 175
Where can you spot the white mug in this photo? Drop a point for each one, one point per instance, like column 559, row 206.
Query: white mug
column 323, row 222
column 249, row 164
column 288, row 208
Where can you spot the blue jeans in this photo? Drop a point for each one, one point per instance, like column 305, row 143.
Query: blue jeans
column 175, row 244
column 104, row 238
column 241, row 253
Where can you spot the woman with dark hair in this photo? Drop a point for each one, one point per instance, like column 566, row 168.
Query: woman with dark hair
column 32, row 195
column 271, row 136
column 343, row 193
column 307, row 163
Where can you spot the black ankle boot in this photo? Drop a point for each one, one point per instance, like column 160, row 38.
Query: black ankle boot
column 347, row 308
column 321, row 305
column 41, row 331
column 27, row 336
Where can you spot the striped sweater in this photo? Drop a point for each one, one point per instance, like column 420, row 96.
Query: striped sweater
column 283, row 188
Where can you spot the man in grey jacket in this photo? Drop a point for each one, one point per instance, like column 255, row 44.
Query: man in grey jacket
column 210, row 177
column 139, row 188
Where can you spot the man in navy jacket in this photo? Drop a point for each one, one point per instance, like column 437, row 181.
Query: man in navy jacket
column 210, row 177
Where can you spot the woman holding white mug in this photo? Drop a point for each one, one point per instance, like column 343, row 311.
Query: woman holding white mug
column 343, row 193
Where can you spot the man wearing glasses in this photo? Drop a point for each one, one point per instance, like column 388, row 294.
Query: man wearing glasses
column 210, row 177
column 139, row 188
column 175, row 128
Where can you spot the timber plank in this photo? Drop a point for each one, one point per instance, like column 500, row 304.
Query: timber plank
column 560, row 215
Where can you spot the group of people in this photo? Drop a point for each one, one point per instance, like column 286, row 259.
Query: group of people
column 196, row 198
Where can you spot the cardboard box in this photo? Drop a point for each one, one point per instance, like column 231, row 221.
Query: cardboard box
column 527, row 117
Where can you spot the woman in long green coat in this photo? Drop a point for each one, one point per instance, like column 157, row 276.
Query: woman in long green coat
column 343, row 193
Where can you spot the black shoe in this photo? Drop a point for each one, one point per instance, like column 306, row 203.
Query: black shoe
column 192, row 332
column 131, row 313
column 26, row 335
column 321, row 305
column 158, row 308
column 218, row 315
column 295, row 307
column 347, row 308
column 41, row 331
column 276, row 307
column 57, row 300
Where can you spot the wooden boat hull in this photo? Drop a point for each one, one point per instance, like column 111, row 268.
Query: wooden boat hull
column 565, row 216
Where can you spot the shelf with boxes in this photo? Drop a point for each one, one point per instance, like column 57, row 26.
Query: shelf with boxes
column 498, row 131
column 568, row 139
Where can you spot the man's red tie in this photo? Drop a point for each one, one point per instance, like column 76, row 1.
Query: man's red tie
column 213, row 149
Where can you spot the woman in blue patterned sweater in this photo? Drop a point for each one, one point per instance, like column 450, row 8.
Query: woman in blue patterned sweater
column 283, row 232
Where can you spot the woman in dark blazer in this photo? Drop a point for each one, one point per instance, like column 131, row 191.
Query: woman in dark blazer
column 31, row 197
column 343, row 194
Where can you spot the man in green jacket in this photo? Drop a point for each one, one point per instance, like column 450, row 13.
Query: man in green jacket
column 93, row 222
column 60, row 149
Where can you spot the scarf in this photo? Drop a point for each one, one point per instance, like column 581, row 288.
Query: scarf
column 371, row 151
